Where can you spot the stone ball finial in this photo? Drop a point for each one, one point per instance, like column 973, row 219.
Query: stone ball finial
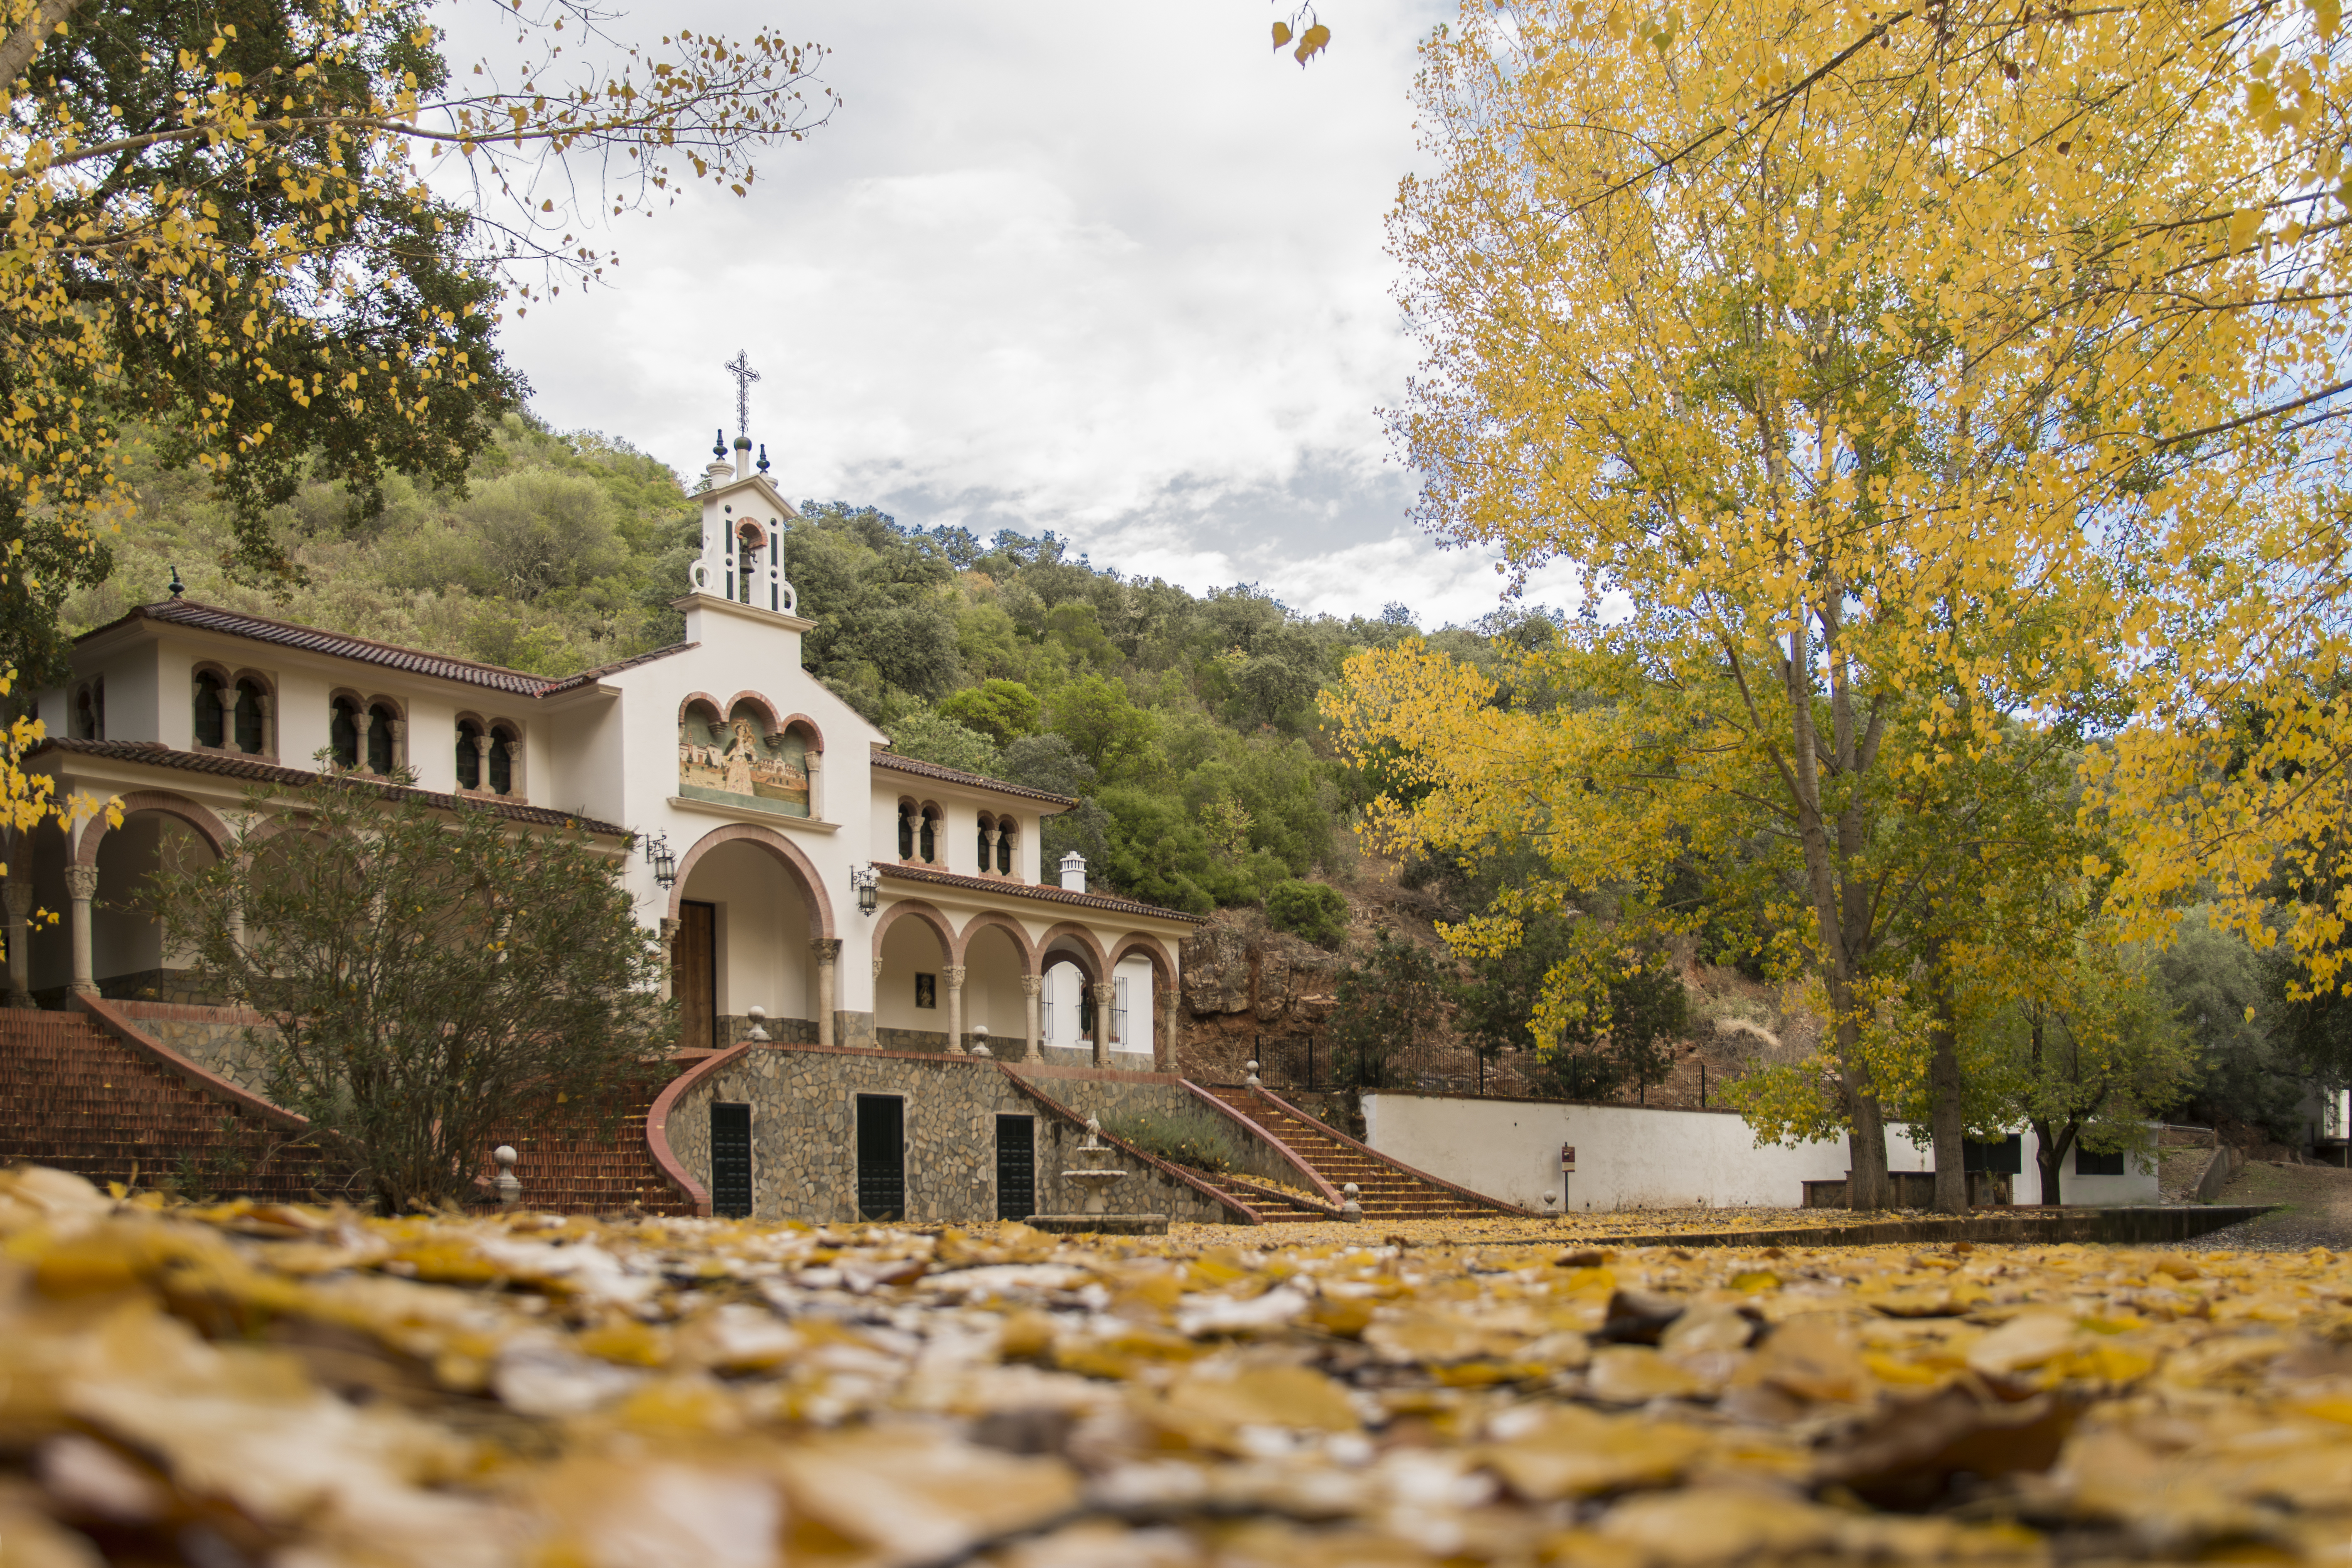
column 979, row 1040
column 1350, row 1209
column 509, row 1189
column 758, row 1017
column 1250, row 1068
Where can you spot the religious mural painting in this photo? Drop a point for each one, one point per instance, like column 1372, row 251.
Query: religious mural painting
column 737, row 761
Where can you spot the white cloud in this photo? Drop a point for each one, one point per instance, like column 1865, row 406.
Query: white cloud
column 1114, row 272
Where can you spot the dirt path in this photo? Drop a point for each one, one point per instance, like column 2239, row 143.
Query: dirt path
column 2316, row 1210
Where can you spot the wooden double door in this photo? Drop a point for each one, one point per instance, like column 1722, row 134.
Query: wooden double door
column 694, row 975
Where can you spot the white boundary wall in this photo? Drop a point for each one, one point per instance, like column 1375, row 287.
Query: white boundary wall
column 1633, row 1156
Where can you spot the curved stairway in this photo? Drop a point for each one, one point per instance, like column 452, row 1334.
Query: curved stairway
column 1386, row 1190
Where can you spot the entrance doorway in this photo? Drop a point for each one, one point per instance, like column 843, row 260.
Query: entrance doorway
column 1016, row 1166
column 730, row 1161
column 881, row 1156
column 694, row 975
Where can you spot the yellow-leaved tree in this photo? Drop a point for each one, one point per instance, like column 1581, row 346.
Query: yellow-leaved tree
column 1899, row 399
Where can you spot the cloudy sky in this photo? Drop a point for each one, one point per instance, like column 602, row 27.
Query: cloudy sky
column 1110, row 270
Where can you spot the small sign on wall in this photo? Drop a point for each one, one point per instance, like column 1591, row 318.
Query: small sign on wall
column 1568, row 1156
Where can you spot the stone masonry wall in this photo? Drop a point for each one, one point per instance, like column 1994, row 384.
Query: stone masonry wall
column 213, row 1038
column 804, row 1137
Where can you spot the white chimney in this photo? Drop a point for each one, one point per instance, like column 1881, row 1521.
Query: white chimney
column 1074, row 872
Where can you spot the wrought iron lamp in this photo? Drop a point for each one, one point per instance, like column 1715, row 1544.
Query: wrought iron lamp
column 869, row 883
column 659, row 856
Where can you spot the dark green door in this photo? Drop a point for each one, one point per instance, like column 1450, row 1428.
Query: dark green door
column 1016, row 1166
column 730, row 1161
column 881, row 1156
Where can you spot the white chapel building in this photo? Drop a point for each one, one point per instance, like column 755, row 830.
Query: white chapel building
column 794, row 864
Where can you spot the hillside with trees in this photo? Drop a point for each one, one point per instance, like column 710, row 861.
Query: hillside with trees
column 1194, row 730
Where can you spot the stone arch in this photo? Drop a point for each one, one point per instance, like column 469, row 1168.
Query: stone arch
column 1164, row 993
column 786, row 853
column 923, row 912
column 1005, row 922
column 208, row 826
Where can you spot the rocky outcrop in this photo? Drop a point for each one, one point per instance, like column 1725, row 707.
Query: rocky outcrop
column 1248, row 973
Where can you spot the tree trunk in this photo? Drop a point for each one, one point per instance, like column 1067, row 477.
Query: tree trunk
column 2050, row 1159
column 1944, row 1111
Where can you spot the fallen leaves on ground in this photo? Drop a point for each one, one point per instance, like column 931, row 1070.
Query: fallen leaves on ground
column 270, row 1384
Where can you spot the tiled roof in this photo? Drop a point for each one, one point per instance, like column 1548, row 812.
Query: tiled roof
column 253, row 770
column 415, row 661
column 921, row 769
column 588, row 677
column 1043, row 893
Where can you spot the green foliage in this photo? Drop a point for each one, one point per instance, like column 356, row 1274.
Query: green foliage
column 928, row 733
column 1390, row 998
column 1192, row 1136
column 1315, row 910
column 1004, row 711
column 1625, row 1008
column 1109, row 731
column 2227, row 1002
column 425, row 974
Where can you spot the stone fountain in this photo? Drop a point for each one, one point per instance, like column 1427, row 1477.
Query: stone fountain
column 1094, row 1176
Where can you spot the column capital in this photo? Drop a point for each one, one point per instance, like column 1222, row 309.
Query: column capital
column 1032, row 985
column 1106, row 992
column 826, row 948
column 81, row 882
column 953, row 975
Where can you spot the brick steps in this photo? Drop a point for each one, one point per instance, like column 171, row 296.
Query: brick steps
column 567, row 1167
column 74, row 1097
column 1271, row 1203
column 1385, row 1191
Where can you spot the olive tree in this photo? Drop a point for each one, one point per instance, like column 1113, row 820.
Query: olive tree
column 425, row 973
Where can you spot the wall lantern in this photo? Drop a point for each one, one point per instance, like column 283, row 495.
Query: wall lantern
column 869, row 883
column 664, row 864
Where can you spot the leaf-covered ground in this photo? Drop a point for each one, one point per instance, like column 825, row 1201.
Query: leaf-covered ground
column 243, row 1385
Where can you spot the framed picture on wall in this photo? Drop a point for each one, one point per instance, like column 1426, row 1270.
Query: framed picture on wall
column 927, row 991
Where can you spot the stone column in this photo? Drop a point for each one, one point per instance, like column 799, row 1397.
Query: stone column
column 1033, row 991
column 226, row 697
column 268, row 706
column 398, row 729
column 81, row 886
column 911, row 821
column 1104, row 992
column 20, row 897
column 482, row 767
column 988, row 855
column 668, row 929
column 828, row 953
column 814, row 766
column 1163, row 1028
column 953, row 975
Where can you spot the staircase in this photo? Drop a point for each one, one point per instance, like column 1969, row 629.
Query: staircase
column 1271, row 1203
column 74, row 1097
column 1385, row 1189
column 568, row 1164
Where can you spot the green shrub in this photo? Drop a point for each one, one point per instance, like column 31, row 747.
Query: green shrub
column 1313, row 910
column 1191, row 1136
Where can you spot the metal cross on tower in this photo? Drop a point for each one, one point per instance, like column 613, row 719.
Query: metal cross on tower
column 740, row 367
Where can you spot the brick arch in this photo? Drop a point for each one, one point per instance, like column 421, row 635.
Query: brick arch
column 1090, row 954
column 208, row 826
column 816, row 734
column 691, row 699
column 1149, row 947
column 1010, row 926
column 924, row 913
column 786, row 853
column 775, row 726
